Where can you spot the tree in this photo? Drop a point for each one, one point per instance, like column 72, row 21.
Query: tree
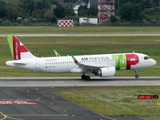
column 12, row 10
column 48, row 14
column 93, row 11
column 28, row 6
column 42, row 4
column 155, row 2
column 131, row 12
column 69, row 1
column 83, row 11
column 69, row 12
column 148, row 3
column 59, row 12
column 2, row 8
column 53, row 19
column 113, row 19
column 53, row 2
column 39, row 13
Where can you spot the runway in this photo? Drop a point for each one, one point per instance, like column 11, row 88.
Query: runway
column 23, row 98
column 76, row 81
column 81, row 34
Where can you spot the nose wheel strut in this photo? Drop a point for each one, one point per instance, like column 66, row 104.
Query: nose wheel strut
column 136, row 73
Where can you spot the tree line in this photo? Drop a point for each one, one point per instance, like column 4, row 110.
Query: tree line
column 40, row 10
column 136, row 11
column 27, row 9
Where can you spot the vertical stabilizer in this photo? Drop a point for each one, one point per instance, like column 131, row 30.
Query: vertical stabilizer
column 18, row 50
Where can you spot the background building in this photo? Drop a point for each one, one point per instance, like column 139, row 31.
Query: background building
column 106, row 8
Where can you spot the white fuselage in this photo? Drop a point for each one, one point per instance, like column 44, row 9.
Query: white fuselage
column 67, row 65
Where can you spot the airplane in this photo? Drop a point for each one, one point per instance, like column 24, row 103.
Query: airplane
column 104, row 65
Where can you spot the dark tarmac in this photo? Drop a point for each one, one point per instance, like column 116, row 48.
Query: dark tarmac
column 18, row 103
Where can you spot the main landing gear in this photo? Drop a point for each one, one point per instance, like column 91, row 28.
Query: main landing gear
column 84, row 77
column 136, row 73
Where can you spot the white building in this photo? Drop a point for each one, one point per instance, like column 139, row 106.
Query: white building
column 86, row 20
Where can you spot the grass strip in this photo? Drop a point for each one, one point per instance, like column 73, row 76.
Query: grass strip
column 115, row 101
column 79, row 29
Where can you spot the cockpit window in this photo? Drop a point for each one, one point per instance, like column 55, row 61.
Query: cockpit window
column 146, row 57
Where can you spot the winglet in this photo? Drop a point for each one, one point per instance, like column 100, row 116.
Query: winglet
column 56, row 53
column 75, row 61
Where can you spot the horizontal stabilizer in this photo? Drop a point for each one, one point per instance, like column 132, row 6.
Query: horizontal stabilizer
column 20, row 63
column 15, row 62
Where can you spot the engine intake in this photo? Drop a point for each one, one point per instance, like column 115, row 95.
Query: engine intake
column 107, row 72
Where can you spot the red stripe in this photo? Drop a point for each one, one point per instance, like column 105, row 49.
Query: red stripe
column 16, row 45
column 23, row 49
column 132, row 59
column 18, row 49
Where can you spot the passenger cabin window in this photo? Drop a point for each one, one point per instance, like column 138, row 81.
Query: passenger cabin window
column 146, row 57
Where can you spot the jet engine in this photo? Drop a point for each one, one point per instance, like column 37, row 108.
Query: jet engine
column 107, row 72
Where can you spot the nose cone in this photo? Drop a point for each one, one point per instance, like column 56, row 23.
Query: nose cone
column 153, row 62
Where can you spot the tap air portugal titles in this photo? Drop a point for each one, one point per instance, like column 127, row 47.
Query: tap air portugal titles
column 104, row 65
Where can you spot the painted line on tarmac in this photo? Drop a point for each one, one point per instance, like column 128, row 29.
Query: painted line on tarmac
column 110, row 118
column 29, row 115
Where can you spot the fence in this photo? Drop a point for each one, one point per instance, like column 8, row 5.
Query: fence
column 25, row 23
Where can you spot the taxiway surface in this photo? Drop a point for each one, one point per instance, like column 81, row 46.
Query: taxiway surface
column 76, row 81
column 32, row 103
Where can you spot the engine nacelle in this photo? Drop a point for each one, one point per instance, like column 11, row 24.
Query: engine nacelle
column 107, row 72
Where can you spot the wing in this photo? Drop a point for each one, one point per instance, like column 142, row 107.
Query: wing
column 88, row 67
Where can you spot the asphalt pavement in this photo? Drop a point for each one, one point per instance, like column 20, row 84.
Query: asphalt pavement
column 34, row 98
column 40, row 103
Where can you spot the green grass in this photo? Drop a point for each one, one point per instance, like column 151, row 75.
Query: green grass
column 43, row 47
column 95, row 29
column 115, row 101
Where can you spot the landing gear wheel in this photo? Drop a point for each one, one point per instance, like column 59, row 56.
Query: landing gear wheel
column 83, row 77
column 136, row 76
column 88, row 78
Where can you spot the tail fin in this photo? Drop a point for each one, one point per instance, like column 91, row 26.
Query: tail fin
column 18, row 50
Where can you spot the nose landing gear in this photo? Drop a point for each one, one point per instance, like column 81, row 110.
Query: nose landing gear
column 136, row 73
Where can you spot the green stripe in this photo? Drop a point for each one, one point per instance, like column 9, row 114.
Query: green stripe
column 120, row 61
column 10, row 42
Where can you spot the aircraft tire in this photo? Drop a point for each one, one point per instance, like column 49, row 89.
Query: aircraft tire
column 83, row 77
column 136, row 76
column 88, row 78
